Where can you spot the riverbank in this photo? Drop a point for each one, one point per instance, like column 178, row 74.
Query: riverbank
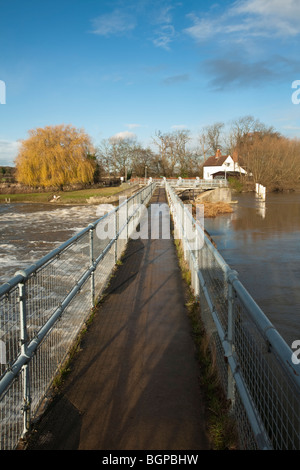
column 64, row 197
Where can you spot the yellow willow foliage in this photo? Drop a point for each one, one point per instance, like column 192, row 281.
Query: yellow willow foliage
column 55, row 156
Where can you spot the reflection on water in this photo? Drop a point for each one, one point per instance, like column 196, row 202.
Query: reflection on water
column 261, row 240
column 30, row 231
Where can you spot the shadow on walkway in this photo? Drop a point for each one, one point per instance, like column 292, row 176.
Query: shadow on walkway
column 135, row 383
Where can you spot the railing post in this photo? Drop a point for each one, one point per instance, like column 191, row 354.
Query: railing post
column 116, row 235
column 197, row 246
column 92, row 264
column 127, row 220
column 230, row 331
column 184, row 231
column 26, row 409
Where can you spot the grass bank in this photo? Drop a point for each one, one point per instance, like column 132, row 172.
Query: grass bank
column 65, row 197
column 213, row 209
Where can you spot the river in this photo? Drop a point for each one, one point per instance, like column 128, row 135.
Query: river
column 30, row 231
column 261, row 240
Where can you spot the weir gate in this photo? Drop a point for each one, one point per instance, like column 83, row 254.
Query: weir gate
column 43, row 309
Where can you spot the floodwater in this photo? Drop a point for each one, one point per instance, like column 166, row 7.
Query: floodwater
column 261, row 240
column 30, row 231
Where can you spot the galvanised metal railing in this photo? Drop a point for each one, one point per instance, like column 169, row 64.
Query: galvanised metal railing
column 199, row 183
column 254, row 363
column 196, row 183
column 44, row 307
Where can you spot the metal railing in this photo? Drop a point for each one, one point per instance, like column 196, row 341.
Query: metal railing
column 254, row 363
column 191, row 183
column 199, row 183
column 44, row 307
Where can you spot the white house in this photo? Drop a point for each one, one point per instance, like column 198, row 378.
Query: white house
column 222, row 166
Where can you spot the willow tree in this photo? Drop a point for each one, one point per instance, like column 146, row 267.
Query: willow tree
column 55, row 156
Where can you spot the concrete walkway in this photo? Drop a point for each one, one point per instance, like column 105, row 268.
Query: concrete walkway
column 135, row 384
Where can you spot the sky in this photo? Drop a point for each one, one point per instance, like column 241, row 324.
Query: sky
column 133, row 68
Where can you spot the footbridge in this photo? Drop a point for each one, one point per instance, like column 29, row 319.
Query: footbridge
column 191, row 187
column 135, row 383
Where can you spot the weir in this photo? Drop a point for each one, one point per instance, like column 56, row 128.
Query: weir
column 43, row 309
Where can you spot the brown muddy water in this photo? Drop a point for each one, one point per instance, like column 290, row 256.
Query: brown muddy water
column 260, row 240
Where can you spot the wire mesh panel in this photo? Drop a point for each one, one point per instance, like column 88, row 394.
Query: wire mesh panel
column 274, row 394
column 9, row 328
column 11, row 415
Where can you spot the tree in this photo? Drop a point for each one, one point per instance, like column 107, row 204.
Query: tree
column 143, row 161
column 116, row 155
column 273, row 161
column 55, row 156
column 173, row 157
column 211, row 138
column 181, row 155
column 163, row 142
column 244, row 129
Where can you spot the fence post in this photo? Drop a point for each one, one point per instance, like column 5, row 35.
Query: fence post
column 116, row 235
column 26, row 409
column 196, row 287
column 230, row 331
column 184, row 237
column 127, row 220
column 92, row 264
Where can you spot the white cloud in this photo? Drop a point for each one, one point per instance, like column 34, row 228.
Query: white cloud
column 289, row 9
column 117, row 22
column 164, row 36
column 249, row 18
column 8, row 152
column 165, row 33
column 202, row 28
column 164, row 15
column 123, row 136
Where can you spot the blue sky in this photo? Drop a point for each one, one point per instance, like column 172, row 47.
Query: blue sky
column 136, row 67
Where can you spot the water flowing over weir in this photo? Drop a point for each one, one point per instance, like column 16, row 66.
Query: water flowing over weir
column 29, row 231
column 44, row 306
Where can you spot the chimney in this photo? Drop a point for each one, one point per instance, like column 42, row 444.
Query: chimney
column 218, row 153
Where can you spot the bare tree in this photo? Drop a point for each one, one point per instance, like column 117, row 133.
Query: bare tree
column 272, row 160
column 245, row 128
column 211, row 138
column 164, row 144
column 116, row 155
column 143, row 161
column 181, row 154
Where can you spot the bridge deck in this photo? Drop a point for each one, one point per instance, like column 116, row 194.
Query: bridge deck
column 135, row 383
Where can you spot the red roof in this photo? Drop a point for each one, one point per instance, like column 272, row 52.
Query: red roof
column 215, row 161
